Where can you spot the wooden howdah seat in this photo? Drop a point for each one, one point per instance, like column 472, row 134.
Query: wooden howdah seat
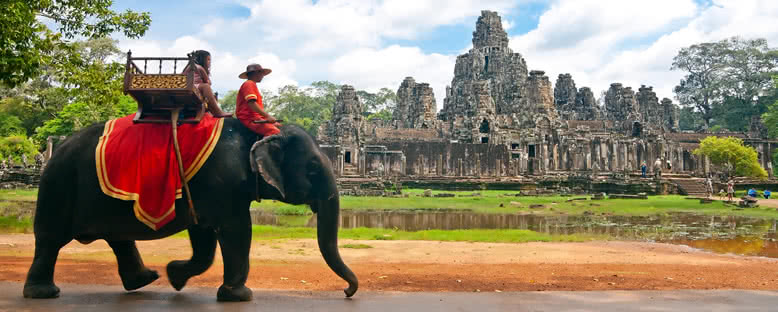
column 158, row 94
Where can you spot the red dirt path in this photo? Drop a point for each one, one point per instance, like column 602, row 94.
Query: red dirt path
column 429, row 266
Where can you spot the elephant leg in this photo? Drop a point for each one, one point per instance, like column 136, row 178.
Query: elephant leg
column 133, row 272
column 203, row 242
column 235, row 242
column 40, row 278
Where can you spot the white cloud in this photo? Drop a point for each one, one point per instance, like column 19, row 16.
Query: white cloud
column 600, row 42
column 372, row 69
column 348, row 41
column 506, row 25
column 283, row 70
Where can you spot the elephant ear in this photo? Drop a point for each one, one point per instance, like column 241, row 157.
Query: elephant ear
column 266, row 156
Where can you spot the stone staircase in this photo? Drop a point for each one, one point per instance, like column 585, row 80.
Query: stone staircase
column 350, row 171
column 691, row 186
column 361, row 186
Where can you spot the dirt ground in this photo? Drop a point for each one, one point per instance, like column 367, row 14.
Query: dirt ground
column 428, row 266
column 772, row 202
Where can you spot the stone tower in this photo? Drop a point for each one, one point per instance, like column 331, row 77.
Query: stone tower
column 565, row 95
column 620, row 104
column 671, row 115
column 345, row 127
column 416, row 105
column 490, row 60
column 540, row 98
column 488, row 31
column 651, row 112
column 573, row 104
column 586, row 106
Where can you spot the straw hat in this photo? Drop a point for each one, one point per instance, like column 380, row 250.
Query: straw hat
column 253, row 68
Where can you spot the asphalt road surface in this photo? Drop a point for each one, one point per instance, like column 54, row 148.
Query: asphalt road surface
column 114, row 298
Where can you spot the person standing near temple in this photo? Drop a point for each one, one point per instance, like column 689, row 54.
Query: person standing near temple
column 658, row 168
column 643, row 168
column 730, row 190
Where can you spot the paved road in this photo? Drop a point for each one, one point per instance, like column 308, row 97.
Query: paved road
column 113, row 298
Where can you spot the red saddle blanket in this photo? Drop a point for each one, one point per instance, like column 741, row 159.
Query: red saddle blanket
column 137, row 162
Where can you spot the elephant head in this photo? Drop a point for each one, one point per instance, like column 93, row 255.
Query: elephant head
column 294, row 170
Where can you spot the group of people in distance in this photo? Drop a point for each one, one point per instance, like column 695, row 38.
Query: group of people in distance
column 248, row 105
column 731, row 191
column 657, row 167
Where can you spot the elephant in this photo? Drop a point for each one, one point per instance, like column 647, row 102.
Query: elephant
column 289, row 167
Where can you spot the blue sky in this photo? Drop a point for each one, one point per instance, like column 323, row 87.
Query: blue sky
column 376, row 43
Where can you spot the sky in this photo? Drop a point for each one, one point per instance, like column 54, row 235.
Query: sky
column 373, row 44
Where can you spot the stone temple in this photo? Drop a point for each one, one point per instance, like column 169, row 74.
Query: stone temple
column 501, row 121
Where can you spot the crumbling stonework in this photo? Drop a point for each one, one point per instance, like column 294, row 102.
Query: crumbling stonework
column 757, row 128
column 586, row 106
column 573, row 104
column 501, row 120
column 540, row 96
column 489, row 32
column 671, row 116
column 565, row 95
column 346, row 126
column 620, row 103
column 650, row 111
column 416, row 105
column 490, row 60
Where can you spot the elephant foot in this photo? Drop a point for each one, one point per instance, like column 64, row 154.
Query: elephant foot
column 137, row 280
column 177, row 275
column 240, row 293
column 40, row 291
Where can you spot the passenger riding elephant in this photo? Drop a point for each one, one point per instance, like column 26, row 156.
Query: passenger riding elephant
column 291, row 169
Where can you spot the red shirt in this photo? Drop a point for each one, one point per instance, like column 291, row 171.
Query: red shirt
column 248, row 91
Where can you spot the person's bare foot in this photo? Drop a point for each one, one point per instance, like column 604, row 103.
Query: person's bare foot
column 219, row 113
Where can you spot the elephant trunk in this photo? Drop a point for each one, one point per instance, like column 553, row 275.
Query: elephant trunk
column 328, row 216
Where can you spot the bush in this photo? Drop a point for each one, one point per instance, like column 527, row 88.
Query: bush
column 16, row 146
column 730, row 152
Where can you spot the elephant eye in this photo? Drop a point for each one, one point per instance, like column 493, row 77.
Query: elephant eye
column 313, row 168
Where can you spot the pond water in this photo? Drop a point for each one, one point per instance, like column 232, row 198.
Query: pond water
column 739, row 235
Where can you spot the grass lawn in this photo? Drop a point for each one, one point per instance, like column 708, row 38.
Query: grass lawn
column 489, row 202
column 19, row 194
column 264, row 232
column 15, row 225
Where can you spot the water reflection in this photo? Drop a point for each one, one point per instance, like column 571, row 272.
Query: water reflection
column 726, row 234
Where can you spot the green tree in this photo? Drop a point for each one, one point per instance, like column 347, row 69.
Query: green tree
column 310, row 107
column 689, row 119
column 16, row 146
column 732, row 155
column 307, row 107
column 26, row 40
column 84, row 72
column 78, row 115
column 10, row 125
column 228, row 101
column 770, row 117
column 384, row 99
column 703, row 64
column 384, row 114
column 81, row 88
column 727, row 80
